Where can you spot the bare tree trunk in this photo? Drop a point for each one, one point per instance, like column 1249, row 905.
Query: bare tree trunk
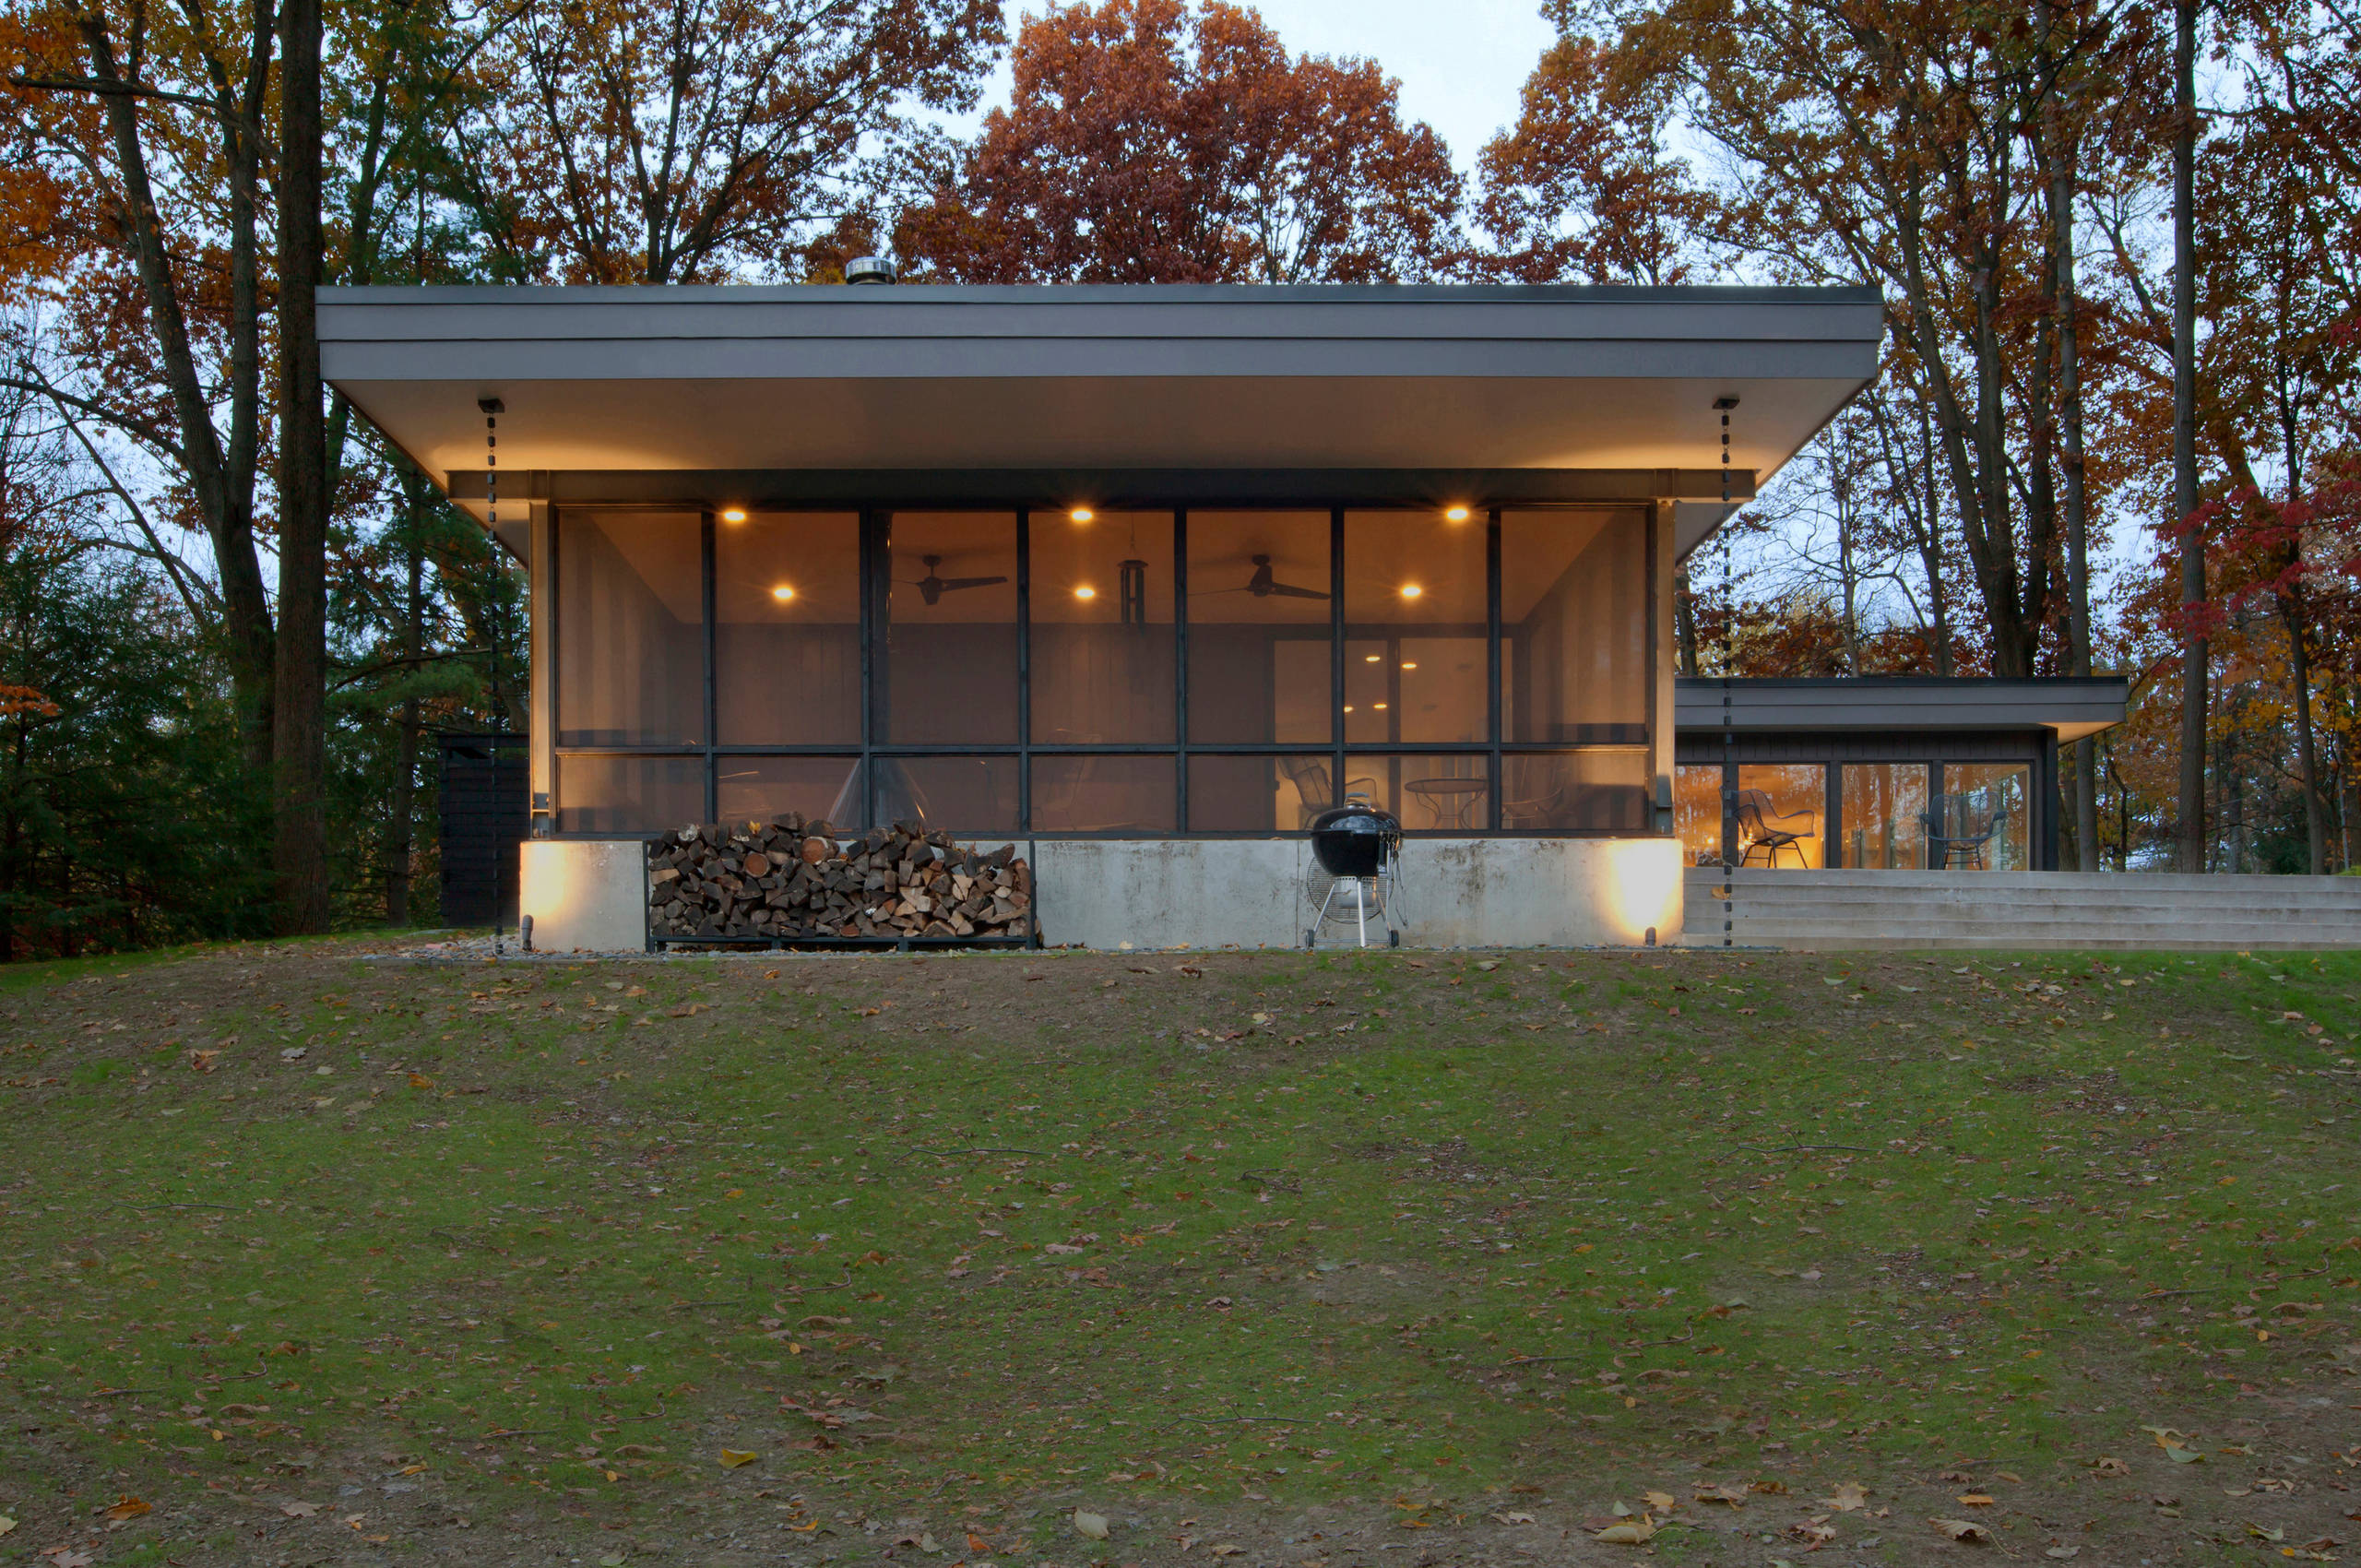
column 2189, row 832
column 2061, row 152
column 1684, row 621
column 402, row 807
column 299, row 857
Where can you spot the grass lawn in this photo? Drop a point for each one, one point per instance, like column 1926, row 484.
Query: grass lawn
column 318, row 1254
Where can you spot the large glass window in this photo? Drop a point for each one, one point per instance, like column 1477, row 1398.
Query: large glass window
column 1259, row 632
column 1416, row 628
column 631, row 629
column 1697, row 811
column 786, row 629
column 1576, row 667
column 949, row 670
column 1885, row 815
column 1102, row 664
column 1782, row 814
column 1983, row 820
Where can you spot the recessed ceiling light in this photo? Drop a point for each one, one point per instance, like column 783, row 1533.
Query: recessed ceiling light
column 1082, row 514
column 734, row 514
column 782, row 593
column 1371, row 659
column 1409, row 664
column 1411, row 590
column 1455, row 514
column 1348, row 708
column 1085, row 593
column 1377, row 704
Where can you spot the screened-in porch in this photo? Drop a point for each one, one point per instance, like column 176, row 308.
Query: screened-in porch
column 1118, row 672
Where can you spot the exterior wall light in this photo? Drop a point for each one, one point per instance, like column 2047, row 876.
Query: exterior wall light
column 1085, row 593
column 1082, row 514
column 1455, row 514
column 1411, row 590
column 734, row 514
column 782, row 593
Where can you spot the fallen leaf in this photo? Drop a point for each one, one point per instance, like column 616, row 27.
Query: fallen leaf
column 1961, row 1529
column 1092, row 1525
column 733, row 1457
column 1849, row 1496
column 1659, row 1502
column 1716, row 1493
column 612, row 1559
column 421, row 1081
column 1513, row 1517
column 1976, row 1498
column 2110, row 1467
column 128, row 1507
column 294, row 1510
column 1631, row 1532
column 7, row 1524
column 2183, row 1456
column 2062, row 1552
column 1228, row 1551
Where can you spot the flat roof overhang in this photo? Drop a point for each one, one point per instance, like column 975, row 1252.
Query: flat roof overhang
column 2071, row 707
column 1602, row 387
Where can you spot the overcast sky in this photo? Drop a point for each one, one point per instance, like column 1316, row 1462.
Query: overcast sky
column 1460, row 62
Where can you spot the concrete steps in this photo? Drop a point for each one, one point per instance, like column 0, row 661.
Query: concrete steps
column 2041, row 911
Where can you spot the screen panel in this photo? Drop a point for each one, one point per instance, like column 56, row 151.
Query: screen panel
column 1259, row 639
column 1102, row 608
column 786, row 629
column 1576, row 666
column 948, row 668
column 629, row 629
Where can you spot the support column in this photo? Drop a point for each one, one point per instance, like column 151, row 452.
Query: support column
column 540, row 600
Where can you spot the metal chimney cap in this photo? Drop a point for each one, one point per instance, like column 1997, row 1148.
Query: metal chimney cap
column 869, row 269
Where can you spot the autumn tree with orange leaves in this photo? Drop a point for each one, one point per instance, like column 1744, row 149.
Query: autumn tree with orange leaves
column 1151, row 141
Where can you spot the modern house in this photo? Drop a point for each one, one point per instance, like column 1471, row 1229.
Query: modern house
column 1142, row 577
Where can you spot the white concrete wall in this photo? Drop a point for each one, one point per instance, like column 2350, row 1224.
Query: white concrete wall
column 585, row 895
column 1455, row 892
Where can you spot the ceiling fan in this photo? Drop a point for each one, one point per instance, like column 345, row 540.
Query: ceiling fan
column 1264, row 585
column 934, row 586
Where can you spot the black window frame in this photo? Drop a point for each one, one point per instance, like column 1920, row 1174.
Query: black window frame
column 876, row 519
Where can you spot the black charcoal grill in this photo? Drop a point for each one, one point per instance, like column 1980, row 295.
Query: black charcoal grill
column 1358, row 850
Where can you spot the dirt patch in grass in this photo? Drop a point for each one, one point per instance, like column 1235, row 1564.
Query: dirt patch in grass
column 317, row 1254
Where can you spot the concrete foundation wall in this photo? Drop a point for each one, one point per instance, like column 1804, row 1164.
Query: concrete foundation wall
column 2027, row 911
column 586, row 896
column 1456, row 893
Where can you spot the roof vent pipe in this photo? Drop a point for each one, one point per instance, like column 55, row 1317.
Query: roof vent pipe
column 869, row 269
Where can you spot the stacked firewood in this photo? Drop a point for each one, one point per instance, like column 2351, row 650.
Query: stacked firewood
column 788, row 878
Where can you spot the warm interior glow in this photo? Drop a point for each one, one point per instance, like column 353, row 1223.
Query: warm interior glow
column 1085, row 593
column 1411, row 590
column 1082, row 514
column 782, row 593
column 1456, row 514
column 734, row 516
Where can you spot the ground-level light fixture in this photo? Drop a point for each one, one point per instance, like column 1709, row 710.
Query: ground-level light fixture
column 782, row 593
column 1082, row 514
column 1411, row 590
column 1455, row 514
column 1086, row 591
column 734, row 514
